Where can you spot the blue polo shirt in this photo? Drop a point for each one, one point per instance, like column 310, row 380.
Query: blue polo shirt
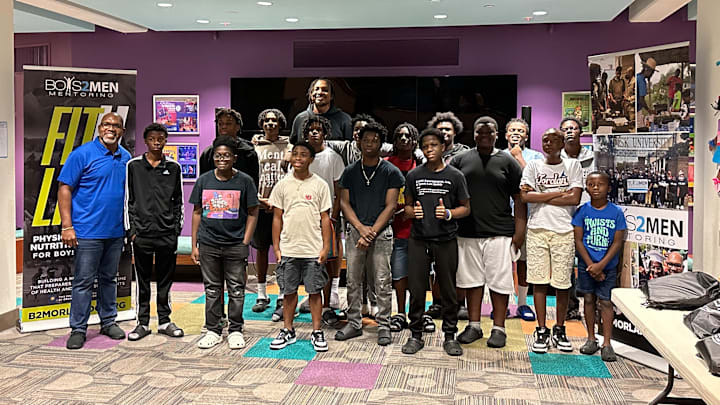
column 97, row 177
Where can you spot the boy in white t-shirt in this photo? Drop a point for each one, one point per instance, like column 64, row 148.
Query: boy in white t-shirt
column 301, row 239
column 552, row 189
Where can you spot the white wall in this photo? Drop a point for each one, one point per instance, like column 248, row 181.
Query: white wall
column 706, row 221
column 7, row 165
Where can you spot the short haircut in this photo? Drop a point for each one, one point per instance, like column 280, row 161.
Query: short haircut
column 330, row 88
column 618, row 69
column 485, row 120
column 446, row 117
column 376, row 127
column 362, row 117
column 324, row 122
column 307, row 146
column 518, row 121
column 412, row 131
column 431, row 132
column 555, row 131
column 573, row 119
column 228, row 111
column 224, row 140
column 282, row 121
column 118, row 116
column 155, row 127
column 599, row 173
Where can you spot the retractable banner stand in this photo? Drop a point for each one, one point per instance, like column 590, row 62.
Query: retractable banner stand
column 63, row 107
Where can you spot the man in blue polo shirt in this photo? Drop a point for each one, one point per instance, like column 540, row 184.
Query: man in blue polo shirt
column 91, row 197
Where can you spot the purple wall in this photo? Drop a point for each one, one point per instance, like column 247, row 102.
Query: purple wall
column 548, row 59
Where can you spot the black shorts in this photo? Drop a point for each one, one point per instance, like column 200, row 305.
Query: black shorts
column 262, row 238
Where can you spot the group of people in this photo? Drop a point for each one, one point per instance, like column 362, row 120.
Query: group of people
column 664, row 190
column 462, row 214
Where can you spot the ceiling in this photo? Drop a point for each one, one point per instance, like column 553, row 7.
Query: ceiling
column 314, row 14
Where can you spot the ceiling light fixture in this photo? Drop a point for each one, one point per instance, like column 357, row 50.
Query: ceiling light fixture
column 202, row 21
column 440, row 16
column 164, row 5
column 540, row 12
column 292, row 19
column 264, row 3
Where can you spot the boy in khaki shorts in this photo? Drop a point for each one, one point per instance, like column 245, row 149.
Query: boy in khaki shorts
column 552, row 189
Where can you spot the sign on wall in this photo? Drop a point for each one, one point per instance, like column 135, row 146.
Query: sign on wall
column 63, row 107
column 186, row 154
column 179, row 114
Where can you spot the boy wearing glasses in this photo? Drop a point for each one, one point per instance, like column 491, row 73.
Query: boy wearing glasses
column 223, row 222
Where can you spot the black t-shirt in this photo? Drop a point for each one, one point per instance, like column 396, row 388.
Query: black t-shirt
column 368, row 201
column 672, row 187
column 224, row 207
column 492, row 181
column 428, row 187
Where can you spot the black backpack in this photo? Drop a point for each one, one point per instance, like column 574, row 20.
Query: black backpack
column 704, row 321
column 689, row 290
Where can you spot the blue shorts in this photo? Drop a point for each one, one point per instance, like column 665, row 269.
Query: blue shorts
column 588, row 285
column 399, row 259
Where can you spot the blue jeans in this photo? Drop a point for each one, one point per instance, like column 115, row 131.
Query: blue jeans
column 95, row 259
column 399, row 259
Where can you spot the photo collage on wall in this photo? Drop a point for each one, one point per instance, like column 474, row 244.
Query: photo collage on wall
column 180, row 114
column 187, row 155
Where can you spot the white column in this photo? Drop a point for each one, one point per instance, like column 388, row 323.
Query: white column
column 706, row 221
column 7, row 165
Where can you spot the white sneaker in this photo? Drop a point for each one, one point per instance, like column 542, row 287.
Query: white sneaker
column 284, row 338
column 318, row 341
column 236, row 340
column 209, row 340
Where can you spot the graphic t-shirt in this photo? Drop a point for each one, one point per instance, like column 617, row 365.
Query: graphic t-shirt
column 401, row 226
column 428, row 187
column 302, row 201
column 368, row 200
column 224, row 207
column 271, row 156
column 599, row 228
column 545, row 178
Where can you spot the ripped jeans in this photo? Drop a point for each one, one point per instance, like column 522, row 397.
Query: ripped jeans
column 222, row 265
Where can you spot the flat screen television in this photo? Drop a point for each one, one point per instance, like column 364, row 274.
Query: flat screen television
column 391, row 100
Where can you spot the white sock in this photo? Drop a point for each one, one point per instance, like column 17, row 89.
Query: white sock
column 335, row 285
column 262, row 290
column 475, row 325
column 280, row 296
column 522, row 295
column 500, row 328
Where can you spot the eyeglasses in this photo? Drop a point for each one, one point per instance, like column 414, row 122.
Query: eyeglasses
column 111, row 125
column 223, row 156
column 676, row 265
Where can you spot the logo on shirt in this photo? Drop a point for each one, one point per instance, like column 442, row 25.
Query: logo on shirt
column 166, row 172
column 221, row 204
column 308, row 197
column 552, row 181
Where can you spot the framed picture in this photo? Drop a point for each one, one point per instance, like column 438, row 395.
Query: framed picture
column 187, row 155
column 577, row 104
column 179, row 114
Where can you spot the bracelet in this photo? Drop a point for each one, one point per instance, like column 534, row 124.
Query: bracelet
column 448, row 214
column 67, row 229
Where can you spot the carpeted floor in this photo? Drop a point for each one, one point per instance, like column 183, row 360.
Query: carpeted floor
column 36, row 368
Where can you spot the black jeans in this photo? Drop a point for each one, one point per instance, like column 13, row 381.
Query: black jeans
column 445, row 255
column 163, row 248
column 224, row 265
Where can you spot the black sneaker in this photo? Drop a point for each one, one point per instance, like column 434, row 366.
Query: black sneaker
column 284, row 338
column 277, row 316
column 261, row 305
column 330, row 318
column 560, row 340
column 318, row 341
column 113, row 331
column 469, row 335
column 76, row 340
column 542, row 340
column 435, row 311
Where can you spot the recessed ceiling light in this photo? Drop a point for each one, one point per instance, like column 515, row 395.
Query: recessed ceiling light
column 528, row 18
column 489, row 5
column 164, row 5
column 264, row 3
column 539, row 12
column 292, row 19
column 440, row 16
column 202, row 21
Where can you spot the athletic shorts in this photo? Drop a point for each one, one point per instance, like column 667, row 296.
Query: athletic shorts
column 486, row 261
column 262, row 238
column 586, row 284
column 293, row 271
column 550, row 257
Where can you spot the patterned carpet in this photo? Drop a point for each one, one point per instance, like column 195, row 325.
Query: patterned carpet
column 36, row 368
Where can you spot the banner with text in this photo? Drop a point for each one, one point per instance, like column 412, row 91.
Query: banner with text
column 62, row 110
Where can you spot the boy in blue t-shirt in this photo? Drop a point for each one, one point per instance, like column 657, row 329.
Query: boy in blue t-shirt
column 599, row 227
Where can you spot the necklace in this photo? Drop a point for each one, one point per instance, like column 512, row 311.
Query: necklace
column 368, row 179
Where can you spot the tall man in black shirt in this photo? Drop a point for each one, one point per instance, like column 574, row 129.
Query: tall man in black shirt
column 154, row 217
column 489, row 239
column 436, row 196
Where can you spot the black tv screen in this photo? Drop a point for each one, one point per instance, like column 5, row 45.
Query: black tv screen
column 391, row 100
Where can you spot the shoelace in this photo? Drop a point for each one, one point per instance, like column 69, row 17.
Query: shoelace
column 319, row 337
